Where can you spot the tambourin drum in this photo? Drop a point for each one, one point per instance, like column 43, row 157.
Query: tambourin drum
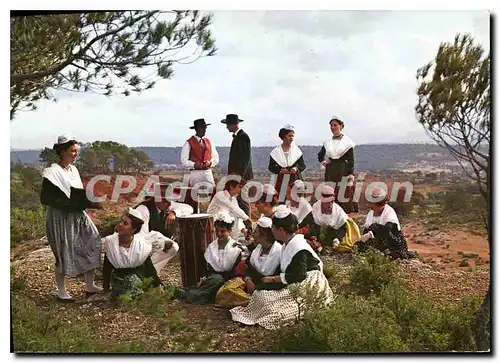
column 196, row 233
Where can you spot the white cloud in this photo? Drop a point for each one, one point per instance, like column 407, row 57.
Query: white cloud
column 274, row 68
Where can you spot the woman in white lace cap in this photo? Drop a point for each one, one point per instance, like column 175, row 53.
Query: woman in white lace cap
column 341, row 231
column 382, row 230
column 286, row 161
column 337, row 157
column 72, row 236
column 127, row 261
column 222, row 256
column 300, row 269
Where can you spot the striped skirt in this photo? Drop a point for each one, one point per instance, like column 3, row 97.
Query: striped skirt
column 273, row 309
column 74, row 240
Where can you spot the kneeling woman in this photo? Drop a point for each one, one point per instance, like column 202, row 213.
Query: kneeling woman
column 127, row 261
column 300, row 266
column 264, row 261
column 222, row 256
column 382, row 230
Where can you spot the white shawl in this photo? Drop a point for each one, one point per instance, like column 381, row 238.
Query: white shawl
column 266, row 264
column 335, row 220
column 222, row 260
column 387, row 215
column 335, row 148
column 290, row 249
column 302, row 210
column 63, row 179
column 279, row 155
column 141, row 247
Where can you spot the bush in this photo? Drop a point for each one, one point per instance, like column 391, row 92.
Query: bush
column 371, row 271
column 107, row 224
column 26, row 224
column 351, row 324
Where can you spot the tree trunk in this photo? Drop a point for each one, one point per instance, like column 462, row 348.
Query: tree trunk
column 483, row 323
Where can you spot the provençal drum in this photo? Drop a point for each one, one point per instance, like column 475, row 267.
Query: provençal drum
column 196, row 233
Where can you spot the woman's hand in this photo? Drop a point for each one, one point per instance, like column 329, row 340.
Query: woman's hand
column 270, row 279
column 170, row 219
column 250, row 286
column 324, row 164
column 284, row 171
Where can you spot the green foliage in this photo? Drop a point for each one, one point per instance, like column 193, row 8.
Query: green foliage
column 454, row 105
column 371, row 271
column 458, row 206
column 393, row 320
column 107, row 156
column 102, row 53
column 107, row 223
column 48, row 156
column 353, row 324
column 26, row 224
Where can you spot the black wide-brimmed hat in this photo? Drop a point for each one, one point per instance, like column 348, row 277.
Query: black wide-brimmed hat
column 199, row 123
column 231, row 119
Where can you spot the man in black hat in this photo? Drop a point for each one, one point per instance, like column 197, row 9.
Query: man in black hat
column 240, row 155
column 199, row 155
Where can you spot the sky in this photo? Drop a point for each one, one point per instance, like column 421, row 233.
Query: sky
column 274, row 68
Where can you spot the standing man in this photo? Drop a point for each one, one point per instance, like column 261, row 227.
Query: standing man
column 200, row 156
column 240, row 155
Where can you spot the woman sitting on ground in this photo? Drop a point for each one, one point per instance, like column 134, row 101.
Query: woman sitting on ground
column 127, row 261
column 222, row 256
column 341, row 231
column 301, row 208
column 264, row 261
column 300, row 267
column 382, row 230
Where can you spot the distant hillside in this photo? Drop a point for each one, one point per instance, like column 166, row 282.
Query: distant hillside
column 368, row 157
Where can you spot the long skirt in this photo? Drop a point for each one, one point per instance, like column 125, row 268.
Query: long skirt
column 131, row 281
column 206, row 292
column 232, row 294
column 351, row 237
column 74, row 240
column 273, row 309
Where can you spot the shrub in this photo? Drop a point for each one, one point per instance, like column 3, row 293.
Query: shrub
column 371, row 271
column 351, row 324
column 107, row 224
column 26, row 224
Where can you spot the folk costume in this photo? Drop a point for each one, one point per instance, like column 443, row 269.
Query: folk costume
column 300, row 267
column 72, row 236
column 338, row 155
column 337, row 223
column 291, row 159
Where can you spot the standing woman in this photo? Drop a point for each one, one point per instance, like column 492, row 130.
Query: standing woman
column 286, row 161
column 337, row 157
column 72, row 236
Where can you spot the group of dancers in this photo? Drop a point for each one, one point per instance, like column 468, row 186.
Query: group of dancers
column 249, row 265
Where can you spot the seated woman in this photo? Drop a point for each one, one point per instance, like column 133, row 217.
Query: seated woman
column 226, row 200
column 300, row 267
column 341, row 231
column 160, row 214
column 382, row 229
column 127, row 260
column 222, row 256
column 264, row 261
column 301, row 208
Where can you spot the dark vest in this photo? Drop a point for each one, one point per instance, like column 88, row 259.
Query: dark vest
column 156, row 220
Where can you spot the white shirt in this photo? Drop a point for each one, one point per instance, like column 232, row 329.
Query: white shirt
column 180, row 210
column 187, row 148
column 222, row 200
